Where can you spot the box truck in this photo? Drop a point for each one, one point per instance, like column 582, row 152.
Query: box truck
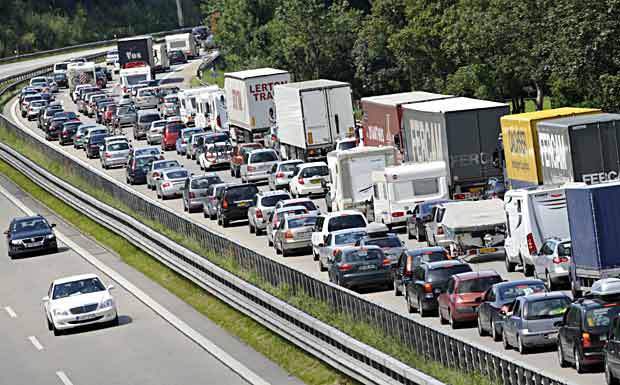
column 135, row 49
column 382, row 116
column 520, row 143
column 81, row 73
column 582, row 148
column 249, row 101
column 160, row 58
column 594, row 220
column 312, row 116
column 183, row 42
column 350, row 174
column 463, row 133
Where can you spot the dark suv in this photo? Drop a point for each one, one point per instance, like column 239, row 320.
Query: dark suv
column 428, row 282
column 410, row 259
column 235, row 203
column 583, row 332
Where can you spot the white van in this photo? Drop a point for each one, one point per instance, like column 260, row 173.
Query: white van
column 532, row 216
column 182, row 42
column 400, row 188
column 188, row 103
column 130, row 77
column 61, row 68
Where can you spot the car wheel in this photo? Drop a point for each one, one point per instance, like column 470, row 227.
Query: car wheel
column 420, row 236
column 252, row 228
column 510, row 266
column 284, row 252
column 423, row 313
column 481, row 331
column 609, row 376
column 561, row 359
column 496, row 336
column 225, row 222
column 578, row 364
column 453, row 323
column 184, row 206
column 442, row 320
column 213, row 217
column 410, row 308
column 550, row 284
column 505, row 341
column 205, row 215
column 528, row 270
column 409, row 235
column 397, row 291
column 115, row 321
column 269, row 241
column 522, row 348
column 57, row 332
column 232, row 172
column 258, row 231
column 238, row 174
column 50, row 326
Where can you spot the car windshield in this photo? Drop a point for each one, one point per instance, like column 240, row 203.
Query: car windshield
column 35, row 224
column 547, row 308
column 97, row 131
column 177, row 174
column 443, row 273
column 510, row 292
column 99, row 138
column 343, row 222
column 205, row 182
column 349, row 238
column 38, row 103
column 220, row 148
column 288, row 167
column 430, row 256
column 263, row 156
column 384, row 242
column 149, row 118
column 210, row 139
column 271, row 200
column 477, row 285
column 314, row 171
column 147, row 151
column 118, row 146
column 167, row 164
column 301, row 222
column 83, row 286
column 174, row 128
column 241, row 193
column 363, row 255
column 146, row 92
column 144, row 161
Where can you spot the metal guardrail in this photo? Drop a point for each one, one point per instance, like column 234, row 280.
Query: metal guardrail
column 94, row 44
column 334, row 347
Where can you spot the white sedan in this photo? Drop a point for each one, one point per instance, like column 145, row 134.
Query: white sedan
column 79, row 300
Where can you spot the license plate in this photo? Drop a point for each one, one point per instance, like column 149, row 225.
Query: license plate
column 33, row 244
column 85, row 317
column 487, row 250
column 316, row 181
column 242, row 204
column 551, row 335
column 367, row 267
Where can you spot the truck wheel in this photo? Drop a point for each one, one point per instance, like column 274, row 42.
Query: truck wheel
column 510, row 266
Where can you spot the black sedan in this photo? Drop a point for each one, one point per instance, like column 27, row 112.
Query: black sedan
column 29, row 235
column 137, row 167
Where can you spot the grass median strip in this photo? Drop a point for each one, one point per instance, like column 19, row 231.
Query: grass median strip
column 291, row 358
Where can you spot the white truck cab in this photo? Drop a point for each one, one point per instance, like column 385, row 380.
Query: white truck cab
column 398, row 189
column 130, row 77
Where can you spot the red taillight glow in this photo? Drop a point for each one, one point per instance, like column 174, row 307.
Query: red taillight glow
column 107, row 155
column 251, row 168
column 459, row 196
column 428, row 288
column 155, row 174
column 386, row 262
column 301, row 181
column 192, row 195
column 531, row 245
column 586, row 342
column 289, row 234
column 280, row 175
column 558, row 260
column 440, row 230
column 259, row 213
column 335, row 252
column 398, row 214
column 225, row 204
column 345, row 267
column 219, row 122
column 166, row 185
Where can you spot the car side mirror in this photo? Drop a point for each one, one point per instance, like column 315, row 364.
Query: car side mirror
column 52, row 225
column 45, row 299
column 6, row 232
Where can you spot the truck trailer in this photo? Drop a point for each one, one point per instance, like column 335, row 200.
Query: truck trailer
column 584, row 148
column 382, row 116
column 463, row 133
column 312, row 116
column 133, row 50
column 520, row 144
column 593, row 218
column 183, row 42
column 81, row 73
column 249, row 100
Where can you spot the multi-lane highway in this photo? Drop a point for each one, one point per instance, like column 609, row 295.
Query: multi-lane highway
column 27, row 65
column 546, row 361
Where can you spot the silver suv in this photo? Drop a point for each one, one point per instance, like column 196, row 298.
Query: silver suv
column 262, row 206
column 114, row 153
column 195, row 190
column 143, row 123
column 125, row 116
column 257, row 164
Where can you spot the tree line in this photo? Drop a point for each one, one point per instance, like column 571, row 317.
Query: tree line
column 35, row 25
column 491, row 49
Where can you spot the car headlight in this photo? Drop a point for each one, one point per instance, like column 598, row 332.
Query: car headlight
column 50, row 236
column 107, row 303
column 58, row 312
column 16, row 242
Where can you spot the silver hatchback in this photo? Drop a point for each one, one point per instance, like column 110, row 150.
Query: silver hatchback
column 156, row 169
column 114, row 154
column 171, row 183
column 281, row 174
column 263, row 205
column 195, row 190
column 257, row 164
column 552, row 263
column 294, row 233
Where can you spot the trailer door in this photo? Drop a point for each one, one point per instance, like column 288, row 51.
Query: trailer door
column 316, row 119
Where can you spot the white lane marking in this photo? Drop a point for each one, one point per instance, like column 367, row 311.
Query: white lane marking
column 219, row 354
column 63, row 377
column 12, row 314
column 35, row 342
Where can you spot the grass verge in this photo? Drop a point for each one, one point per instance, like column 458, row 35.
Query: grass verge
column 294, row 360
column 208, row 78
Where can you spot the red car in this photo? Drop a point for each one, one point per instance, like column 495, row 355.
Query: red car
column 463, row 296
column 170, row 135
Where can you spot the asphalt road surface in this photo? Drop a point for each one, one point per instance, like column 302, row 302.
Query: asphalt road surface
column 26, row 65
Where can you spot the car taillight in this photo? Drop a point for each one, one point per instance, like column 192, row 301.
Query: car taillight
column 409, row 266
column 133, row 164
column 558, row 260
column 504, row 308
column 531, row 245
column 345, row 267
column 219, row 122
column 428, row 288
column 280, row 175
column 289, row 234
column 251, row 168
column 155, row 174
column 210, row 156
column 65, row 132
column 301, row 181
column 458, row 196
column 386, row 262
column 183, row 141
column 225, row 204
column 586, row 342
column 439, row 230
column 335, row 252
column 192, row 195
column 107, row 155
column 398, row 214
column 259, row 213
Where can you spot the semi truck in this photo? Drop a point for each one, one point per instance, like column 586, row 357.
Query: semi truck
column 183, row 42
column 460, row 131
column 81, row 73
column 584, row 148
column 593, row 215
column 137, row 49
column 350, row 174
column 312, row 116
column 249, row 101
column 382, row 116
column 520, row 149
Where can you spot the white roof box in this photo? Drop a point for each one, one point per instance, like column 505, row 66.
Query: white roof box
column 606, row 286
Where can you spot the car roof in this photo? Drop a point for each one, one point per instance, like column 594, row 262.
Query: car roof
column 442, row 264
column 312, row 164
column 346, row 231
column 20, row 219
column 517, row 282
column 290, row 161
column 298, row 216
column 272, row 193
column 540, row 296
column 202, row 176
column 345, row 249
column 174, row 169
column 296, row 200
column 341, row 213
column 72, row 278
column 423, row 250
column 476, row 274
column 290, row 208
column 165, row 160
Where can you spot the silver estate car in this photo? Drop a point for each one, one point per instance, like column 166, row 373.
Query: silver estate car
column 273, row 222
column 262, row 206
column 552, row 262
column 34, row 108
column 84, row 132
column 143, row 123
column 532, row 320
column 281, row 174
column 146, row 98
column 125, row 116
column 156, row 170
column 114, row 153
column 155, row 132
column 294, row 233
column 214, row 194
column 195, row 190
column 171, row 183
column 257, row 164
column 335, row 240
